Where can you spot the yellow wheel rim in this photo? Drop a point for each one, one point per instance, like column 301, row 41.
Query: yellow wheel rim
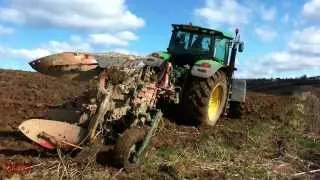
column 214, row 102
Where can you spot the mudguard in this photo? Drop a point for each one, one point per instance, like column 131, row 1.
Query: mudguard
column 204, row 71
column 239, row 90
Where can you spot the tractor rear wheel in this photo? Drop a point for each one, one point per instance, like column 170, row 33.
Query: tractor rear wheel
column 205, row 98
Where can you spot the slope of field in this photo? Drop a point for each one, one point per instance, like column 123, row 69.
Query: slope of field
column 278, row 137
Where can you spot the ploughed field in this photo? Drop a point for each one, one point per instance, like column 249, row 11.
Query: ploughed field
column 278, row 136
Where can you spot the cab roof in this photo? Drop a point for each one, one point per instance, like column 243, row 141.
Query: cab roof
column 190, row 27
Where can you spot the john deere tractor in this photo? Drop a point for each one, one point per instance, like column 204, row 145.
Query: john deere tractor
column 200, row 64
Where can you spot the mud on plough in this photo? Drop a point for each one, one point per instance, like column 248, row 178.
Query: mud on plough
column 124, row 110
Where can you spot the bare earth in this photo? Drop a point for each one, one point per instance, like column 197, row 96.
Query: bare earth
column 278, row 137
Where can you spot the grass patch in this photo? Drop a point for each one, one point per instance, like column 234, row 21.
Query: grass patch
column 212, row 148
column 242, row 149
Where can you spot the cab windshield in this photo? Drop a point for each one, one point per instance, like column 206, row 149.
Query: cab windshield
column 184, row 42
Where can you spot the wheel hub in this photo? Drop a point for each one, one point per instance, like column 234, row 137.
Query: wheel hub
column 214, row 102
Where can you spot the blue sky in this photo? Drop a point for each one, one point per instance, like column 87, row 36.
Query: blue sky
column 282, row 38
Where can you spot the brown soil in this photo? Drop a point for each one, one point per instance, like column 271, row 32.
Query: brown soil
column 24, row 95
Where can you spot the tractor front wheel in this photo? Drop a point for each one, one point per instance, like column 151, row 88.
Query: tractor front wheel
column 205, row 98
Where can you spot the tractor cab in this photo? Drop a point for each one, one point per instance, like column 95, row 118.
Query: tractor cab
column 190, row 43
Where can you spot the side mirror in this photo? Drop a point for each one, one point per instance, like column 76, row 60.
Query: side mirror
column 241, row 47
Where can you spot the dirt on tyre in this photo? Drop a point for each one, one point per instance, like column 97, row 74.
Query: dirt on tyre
column 126, row 147
column 205, row 98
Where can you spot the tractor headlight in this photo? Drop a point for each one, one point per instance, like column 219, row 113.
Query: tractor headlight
column 204, row 65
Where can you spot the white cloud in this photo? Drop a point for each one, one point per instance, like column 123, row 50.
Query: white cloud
column 266, row 34
column 74, row 44
column 6, row 53
column 102, row 22
column 57, row 46
column 278, row 64
column 301, row 55
column 268, row 14
column 311, row 9
column 11, row 15
column 78, row 14
column 227, row 12
column 289, row 61
column 5, row 30
column 127, row 35
column 306, row 41
column 107, row 39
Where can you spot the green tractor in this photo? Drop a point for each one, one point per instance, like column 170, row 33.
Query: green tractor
column 199, row 64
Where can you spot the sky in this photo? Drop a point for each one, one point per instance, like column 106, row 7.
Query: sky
column 282, row 37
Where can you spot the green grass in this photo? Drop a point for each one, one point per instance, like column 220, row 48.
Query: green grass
column 241, row 149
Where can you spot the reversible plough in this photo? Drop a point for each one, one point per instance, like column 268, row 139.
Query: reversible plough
column 124, row 110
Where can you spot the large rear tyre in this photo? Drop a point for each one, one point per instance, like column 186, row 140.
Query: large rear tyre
column 127, row 146
column 205, row 98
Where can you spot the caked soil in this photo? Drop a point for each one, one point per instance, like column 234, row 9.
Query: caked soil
column 25, row 95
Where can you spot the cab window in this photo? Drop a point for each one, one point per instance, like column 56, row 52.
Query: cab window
column 182, row 40
column 220, row 48
column 200, row 42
